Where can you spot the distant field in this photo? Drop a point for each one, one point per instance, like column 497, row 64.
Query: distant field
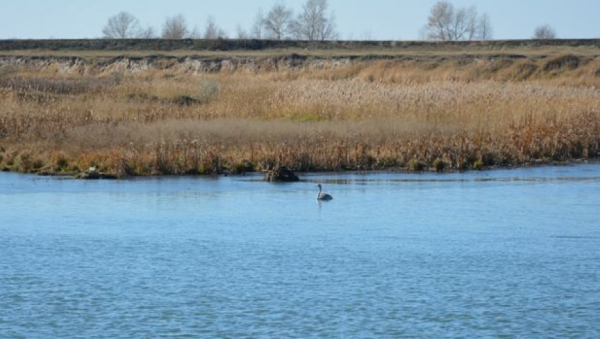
column 176, row 108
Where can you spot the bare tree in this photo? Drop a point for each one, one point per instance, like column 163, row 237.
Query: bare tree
column 440, row 21
column 545, row 32
column 212, row 31
column 464, row 24
column 147, row 33
column 175, row 28
column 367, row 35
column 278, row 21
column 486, row 32
column 469, row 17
column 257, row 26
column 122, row 26
column 423, row 33
column 312, row 23
column 328, row 30
column 240, row 32
column 195, row 33
column 445, row 23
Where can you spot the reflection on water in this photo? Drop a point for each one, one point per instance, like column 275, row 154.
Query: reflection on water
column 374, row 181
column 510, row 253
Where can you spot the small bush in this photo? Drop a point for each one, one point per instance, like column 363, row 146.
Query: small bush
column 439, row 165
column 24, row 163
column 60, row 163
column 207, row 90
column 37, row 164
column 388, row 162
column 124, row 170
column 10, row 158
column 416, row 166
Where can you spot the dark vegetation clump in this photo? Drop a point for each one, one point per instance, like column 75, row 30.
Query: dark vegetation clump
column 415, row 165
column 439, row 165
column 281, row 174
column 184, row 100
column 242, row 167
column 143, row 97
column 478, row 165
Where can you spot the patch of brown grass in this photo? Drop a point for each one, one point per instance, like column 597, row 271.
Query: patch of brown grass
column 369, row 115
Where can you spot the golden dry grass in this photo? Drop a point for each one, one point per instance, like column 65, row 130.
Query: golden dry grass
column 388, row 114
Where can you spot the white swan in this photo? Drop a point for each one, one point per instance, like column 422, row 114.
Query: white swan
column 323, row 196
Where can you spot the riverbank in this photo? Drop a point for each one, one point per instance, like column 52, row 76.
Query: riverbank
column 192, row 112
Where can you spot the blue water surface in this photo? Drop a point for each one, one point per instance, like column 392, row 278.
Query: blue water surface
column 506, row 253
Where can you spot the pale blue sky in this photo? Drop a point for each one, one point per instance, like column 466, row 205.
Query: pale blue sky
column 381, row 19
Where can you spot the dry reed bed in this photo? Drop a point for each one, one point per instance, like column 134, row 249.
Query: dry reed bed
column 361, row 117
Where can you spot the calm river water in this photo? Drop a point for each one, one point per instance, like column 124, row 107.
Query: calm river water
column 507, row 253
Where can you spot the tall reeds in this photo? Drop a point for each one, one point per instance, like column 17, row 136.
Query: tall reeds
column 361, row 116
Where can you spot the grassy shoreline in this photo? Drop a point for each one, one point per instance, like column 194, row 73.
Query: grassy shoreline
column 313, row 114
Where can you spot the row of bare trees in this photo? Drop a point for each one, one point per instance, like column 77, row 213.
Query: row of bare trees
column 446, row 23
column 313, row 23
column 125, row 26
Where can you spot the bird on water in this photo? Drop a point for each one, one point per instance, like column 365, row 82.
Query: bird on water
column 323, row 196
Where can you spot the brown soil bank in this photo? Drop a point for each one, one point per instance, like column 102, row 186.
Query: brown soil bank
column 187, row 111
column 582, row 69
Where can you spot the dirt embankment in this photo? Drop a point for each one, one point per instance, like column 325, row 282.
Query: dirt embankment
column 504, row 67
column 188, row 64
column 93, row 57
